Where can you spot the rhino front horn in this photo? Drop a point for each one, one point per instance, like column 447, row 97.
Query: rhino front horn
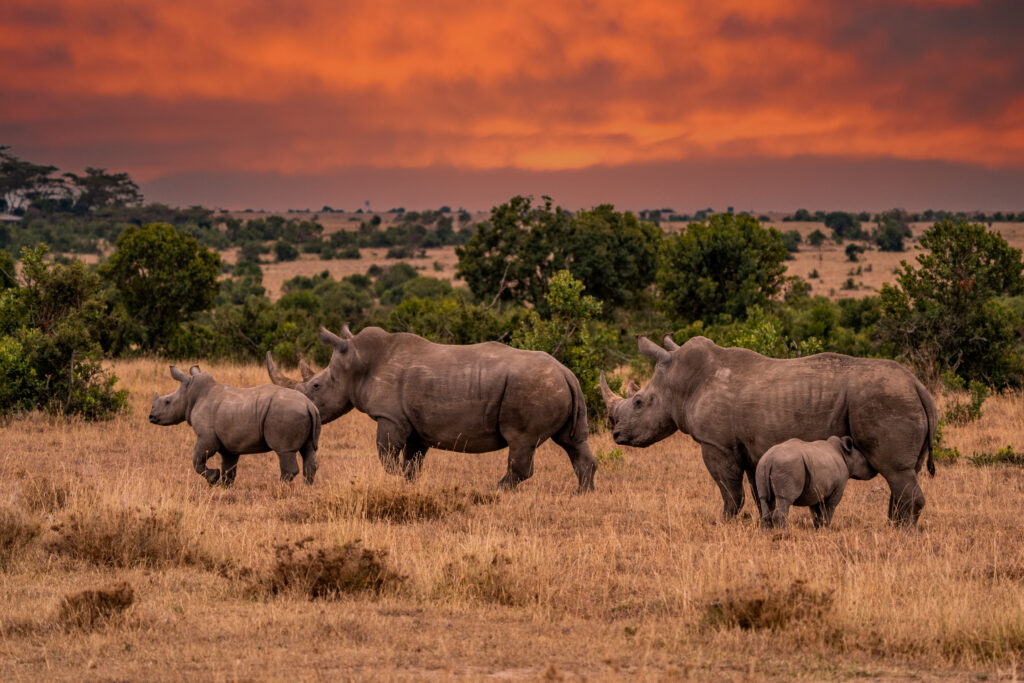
column 611, row 399
column 276, row 377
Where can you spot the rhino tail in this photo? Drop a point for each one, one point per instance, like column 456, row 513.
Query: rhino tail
column 577, row 421
column 927, row 450
column 314, row 420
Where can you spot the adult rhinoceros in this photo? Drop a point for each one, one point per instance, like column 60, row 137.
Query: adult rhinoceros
column 472, row 399
column 737, row 404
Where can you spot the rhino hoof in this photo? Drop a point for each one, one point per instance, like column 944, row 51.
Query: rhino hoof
column 212, row 477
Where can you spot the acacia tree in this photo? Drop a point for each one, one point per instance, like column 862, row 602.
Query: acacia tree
column 946, row 311
column 97, row 188
column 22, row 182
column 163, row 276
column 724, row 266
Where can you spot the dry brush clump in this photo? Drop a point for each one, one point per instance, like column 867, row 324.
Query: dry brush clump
column 126, row 537
column 17, row 531
column 94, row 608
column 326, row 572
column 490, row 577
column 401, row 504
column 763, row 605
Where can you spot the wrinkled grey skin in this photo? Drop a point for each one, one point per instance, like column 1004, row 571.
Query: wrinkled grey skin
column 233, row 422
column 737, row 404
column 808, row 474
column 472, row 399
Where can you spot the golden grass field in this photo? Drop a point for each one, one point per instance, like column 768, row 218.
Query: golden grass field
column 456, row 580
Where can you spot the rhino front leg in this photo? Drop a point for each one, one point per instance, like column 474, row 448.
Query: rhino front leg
column 412, row 457
column 309, row 464
column 289, row 465
column 727, row 473
column 203, row 451
column 229, row 467
column 391, row 439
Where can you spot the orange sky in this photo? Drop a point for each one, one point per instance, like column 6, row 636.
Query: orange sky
column 162, row 89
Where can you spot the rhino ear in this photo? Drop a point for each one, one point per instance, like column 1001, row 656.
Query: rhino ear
column 177, row 374
column 306, row 371
column 345, row 332
column 669, row 343
column 194, row 370
column 328, row 337
column 156, row 396
column 847, row 444
column 631, row 389
column 652, row 350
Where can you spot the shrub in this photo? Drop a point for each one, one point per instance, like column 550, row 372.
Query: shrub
column 91, row 609
column 327, row 572
column 762, row 606
column 285, row 251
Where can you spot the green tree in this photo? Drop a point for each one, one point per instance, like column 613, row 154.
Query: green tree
column 892, row 228
column 724, row 266
column 853, row 252
column 22, row 182
column 569, row 334
column 97, row 188
column 946, row 311
column 163, row 276
column 844, row 225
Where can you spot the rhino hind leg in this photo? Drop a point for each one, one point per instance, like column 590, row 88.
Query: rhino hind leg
column 309, row 463
column 520, row 465
column 583, row 462
column 229, row 467
column 905, row 499
column 289, row 465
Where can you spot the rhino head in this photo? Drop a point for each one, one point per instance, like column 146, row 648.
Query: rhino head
column 172, row 409
column 855, row 460
column 330, row 390
column 643, row 417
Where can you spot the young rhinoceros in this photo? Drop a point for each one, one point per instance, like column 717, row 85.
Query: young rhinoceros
column 235, row 421
column 807, row 473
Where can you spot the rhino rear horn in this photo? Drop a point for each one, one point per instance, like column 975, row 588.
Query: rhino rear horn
column 652, row 350
column 345, row 332
column 631, row 389
column 328, row 337
column 611, row 399
column 194, row 370
column 306, row 371
column 177, row 374
column 669, row 343
column 277, row 377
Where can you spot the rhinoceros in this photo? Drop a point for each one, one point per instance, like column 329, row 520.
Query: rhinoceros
column 808, row 474
column 472, row 399
column 235, row 421
column 737, row 404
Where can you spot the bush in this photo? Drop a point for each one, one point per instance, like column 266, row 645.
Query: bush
column 285, row 251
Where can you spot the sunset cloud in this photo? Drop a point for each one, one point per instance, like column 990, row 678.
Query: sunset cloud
column 310, row 87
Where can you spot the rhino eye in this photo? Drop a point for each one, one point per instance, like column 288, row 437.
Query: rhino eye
column 167, row 400
column 316, row 386
column 637, row 402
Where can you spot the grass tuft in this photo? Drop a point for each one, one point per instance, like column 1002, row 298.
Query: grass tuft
column 327, row 572
column 42, row 494
column 95, row 608
column 17, row 530
column 488, row 579
column 383, row 503
column 761, row 606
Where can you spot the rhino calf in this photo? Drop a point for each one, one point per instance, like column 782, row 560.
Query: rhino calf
column 233, row 422
column 807, row 473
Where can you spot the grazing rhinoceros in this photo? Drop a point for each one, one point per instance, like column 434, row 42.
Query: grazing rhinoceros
column 808, row 474
column 472, row 399
column 235, row 421
column 737, row 404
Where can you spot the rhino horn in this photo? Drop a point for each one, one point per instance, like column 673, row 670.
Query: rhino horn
column 306, row 371
column 669, row 343
column 631, row 389
column 276, row 377
column 334, row 340
column 194, row 370
column 177, row 374
column 345, row 332
column 611, row 399
column 652, row 350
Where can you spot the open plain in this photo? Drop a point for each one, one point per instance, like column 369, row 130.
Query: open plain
column 119, row 562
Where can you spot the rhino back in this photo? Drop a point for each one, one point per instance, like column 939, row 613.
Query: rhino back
column 242, row 418
column 469, row 398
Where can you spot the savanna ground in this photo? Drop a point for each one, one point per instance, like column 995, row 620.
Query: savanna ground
column 454, row 579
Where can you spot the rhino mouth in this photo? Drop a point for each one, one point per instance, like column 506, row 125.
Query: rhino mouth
column 154, row 419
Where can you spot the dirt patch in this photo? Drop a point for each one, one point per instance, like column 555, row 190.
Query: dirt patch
column 95, row 608
column 327, row 572
column 125, row 537
column 17, row 530
column 762, row 606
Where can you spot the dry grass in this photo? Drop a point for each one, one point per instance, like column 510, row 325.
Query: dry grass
column 91, row 609
column 638, row 578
